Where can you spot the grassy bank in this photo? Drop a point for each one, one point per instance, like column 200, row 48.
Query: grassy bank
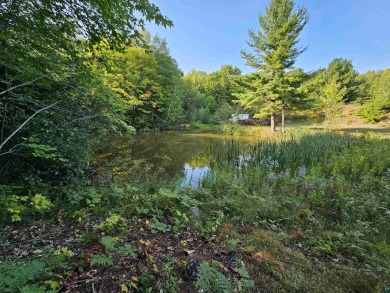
column 308, row 213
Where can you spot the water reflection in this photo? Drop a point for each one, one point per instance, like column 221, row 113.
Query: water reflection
column 176, row 153
column 193, row 176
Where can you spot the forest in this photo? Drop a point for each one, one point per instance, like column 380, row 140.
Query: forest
column 292, row 202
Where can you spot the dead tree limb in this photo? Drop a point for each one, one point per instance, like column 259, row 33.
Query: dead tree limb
column 25, row 122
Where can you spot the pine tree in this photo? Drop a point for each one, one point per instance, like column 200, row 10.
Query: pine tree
column 274, row 51
column 332, row 97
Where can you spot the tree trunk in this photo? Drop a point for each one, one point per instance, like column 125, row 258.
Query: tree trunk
column 133, row 116
column 283, row 106
column 272, row 123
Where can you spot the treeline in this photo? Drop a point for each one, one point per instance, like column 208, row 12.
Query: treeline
column 320, row 94
column 317, row 94
column 68, row 80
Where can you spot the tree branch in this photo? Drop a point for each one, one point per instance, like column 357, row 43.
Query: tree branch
column 84, row 118
column 13, row 150
column 23, row 84
column 27, row 120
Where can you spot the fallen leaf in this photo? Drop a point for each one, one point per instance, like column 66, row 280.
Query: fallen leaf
column 155, row 268
column 189, row 251
column 124, row 288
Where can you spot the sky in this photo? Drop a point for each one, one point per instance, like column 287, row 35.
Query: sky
column 210, row 33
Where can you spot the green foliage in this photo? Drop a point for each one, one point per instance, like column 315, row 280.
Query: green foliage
column 275, row 50
column 276, row 45
column 127, row 249
column 197, row 79
column 108, row 258
column 108, row 242
column 56, row 103
column 16, row 205
column 110, row 222
column 230, row 128
column 211, row 280
column 383, row 247
column 64, row 251
column 101, row 260
column 172, row 284
column 332, row 87
column 209, row 97
column 376, row 95
column 332, row 97
column 40, row 203
column 92, row 20
column 265, row 94
column 14, row 276
column 220, row 84
column 180, row 221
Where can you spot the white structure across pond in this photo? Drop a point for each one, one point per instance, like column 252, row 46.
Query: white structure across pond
column 239, row 117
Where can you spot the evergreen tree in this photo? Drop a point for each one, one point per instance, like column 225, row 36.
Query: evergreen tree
column 275, row 50
column 332, row 96
column 347, row 77
column 377, row 95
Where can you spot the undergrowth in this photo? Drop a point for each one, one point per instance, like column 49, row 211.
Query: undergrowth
column 307, row 214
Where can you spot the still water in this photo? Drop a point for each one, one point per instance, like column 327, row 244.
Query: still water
column 174, row 154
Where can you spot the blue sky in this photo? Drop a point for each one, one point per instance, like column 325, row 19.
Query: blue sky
column 211, row 33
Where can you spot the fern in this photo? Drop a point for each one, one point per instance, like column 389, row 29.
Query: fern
column 210, row 280
column 101, row 260
column 108, row 242
column 245, row 283
column 243, row 272
column 14, row 275
column 127, row 249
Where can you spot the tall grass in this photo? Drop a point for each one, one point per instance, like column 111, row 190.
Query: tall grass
column 327, row 184
column 281, row 155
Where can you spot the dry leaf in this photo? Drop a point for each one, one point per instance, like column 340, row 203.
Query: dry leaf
column 134, row 279
column 189, row 251
column 155, row 268
column 124, row 288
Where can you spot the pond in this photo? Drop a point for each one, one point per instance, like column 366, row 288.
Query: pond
column 174, row 154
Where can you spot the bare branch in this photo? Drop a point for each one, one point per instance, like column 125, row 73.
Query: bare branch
column 84, row 118
column 25, row 122
column 23, row 84
column 13, row 150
